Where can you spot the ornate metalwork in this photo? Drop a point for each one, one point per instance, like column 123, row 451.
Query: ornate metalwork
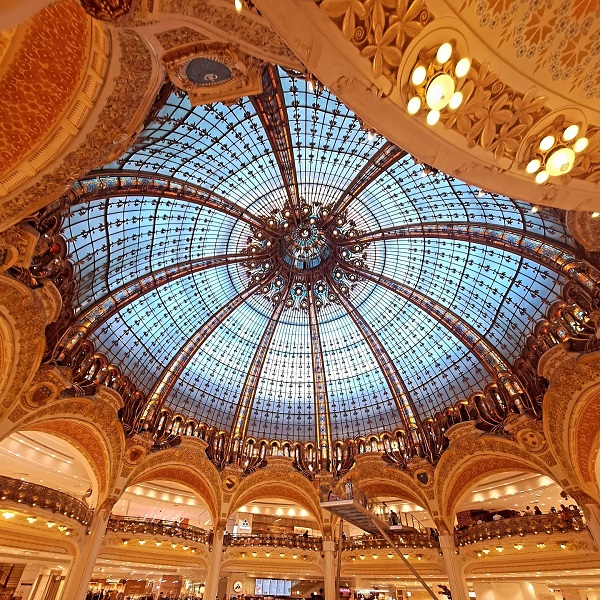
column 140, row 526
column 488, row 356
column 272, row 111
column 397, row 386
column 321, row 399
column 101, row 311
column 303, row 241
column 520, row 526
column 116, row 184
column 175, row 368
column 382, row 160
column 244, row 407
column 559, row 257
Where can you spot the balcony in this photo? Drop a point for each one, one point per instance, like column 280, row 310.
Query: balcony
column 570, row 520
column 40, row 496
column 141, row 526
column 275, row 540
column 407, row 539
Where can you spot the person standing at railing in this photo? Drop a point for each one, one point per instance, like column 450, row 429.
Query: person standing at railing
column 348, row 489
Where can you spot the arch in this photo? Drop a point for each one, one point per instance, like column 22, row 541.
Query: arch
column 22, row 323
column 82, row 455
column 277, row 483
column 471, row 456
column 92, row 427
column 571, row 413
column 154, row 500
column 186, row 465
column 377, row 479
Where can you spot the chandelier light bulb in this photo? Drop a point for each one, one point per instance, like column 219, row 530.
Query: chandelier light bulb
column 535, row 209
column 433, row 116
column 560, row 162
column 581, row 144
column 311, row 85
column 570, row 133
column 419, row 74
column 462, row 67
column 238, row 5
column 455, row 100
column 542, row 177
column 414, row 105
column 533, row 166
column 547, row 143
column 439, row 91
column 595, row 215
column 444, row 53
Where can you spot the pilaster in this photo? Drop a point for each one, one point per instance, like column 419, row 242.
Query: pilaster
column 452, row 562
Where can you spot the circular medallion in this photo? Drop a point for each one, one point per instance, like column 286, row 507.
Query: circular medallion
column 238, row 586
column 207, row 71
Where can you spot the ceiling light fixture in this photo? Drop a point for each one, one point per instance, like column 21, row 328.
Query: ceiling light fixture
column 434, row 83
column 556, row 153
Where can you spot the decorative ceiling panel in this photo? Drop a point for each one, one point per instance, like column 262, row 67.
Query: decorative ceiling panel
column 420, row 289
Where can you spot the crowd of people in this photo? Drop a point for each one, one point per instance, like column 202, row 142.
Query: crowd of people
column 116, row 595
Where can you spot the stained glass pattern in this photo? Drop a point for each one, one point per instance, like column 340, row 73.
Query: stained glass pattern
column 153, row 269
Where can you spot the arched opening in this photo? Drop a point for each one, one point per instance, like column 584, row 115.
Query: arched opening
column 160, row 500
column 158, row 541
column 50, row 462
column 276, row 543
column 509, row 494
column 273, row 518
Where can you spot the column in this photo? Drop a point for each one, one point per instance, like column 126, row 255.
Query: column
column 528, row 591
column 456, row 581
column 592, row 517
column 79, row 574
column 329, row 566
column 42, row 584
column 211, row 587
column 27, row 583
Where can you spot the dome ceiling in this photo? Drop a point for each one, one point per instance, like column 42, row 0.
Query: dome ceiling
column 270, row 269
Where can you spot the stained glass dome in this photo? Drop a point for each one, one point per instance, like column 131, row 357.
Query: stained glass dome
column 270, row 268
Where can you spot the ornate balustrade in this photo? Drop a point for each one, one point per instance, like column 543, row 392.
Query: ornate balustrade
column 140, row 526
column 273, row 540
column 407, row 539
column 34, row 495
column 562, row 522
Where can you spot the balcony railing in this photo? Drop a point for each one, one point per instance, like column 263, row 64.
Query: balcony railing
column 408, row 539
column 273, row 540
column 34, row 495
column 140, row 526
column 570, row 520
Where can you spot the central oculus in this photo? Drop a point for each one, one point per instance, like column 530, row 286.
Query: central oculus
column 305, row 247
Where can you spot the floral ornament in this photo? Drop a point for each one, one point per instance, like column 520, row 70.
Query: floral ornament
column 528, row 107
column 474, row 98
column 351, row 10
column 408, row 16
column 382, row 50
column 507, row 141
column 487, row 120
